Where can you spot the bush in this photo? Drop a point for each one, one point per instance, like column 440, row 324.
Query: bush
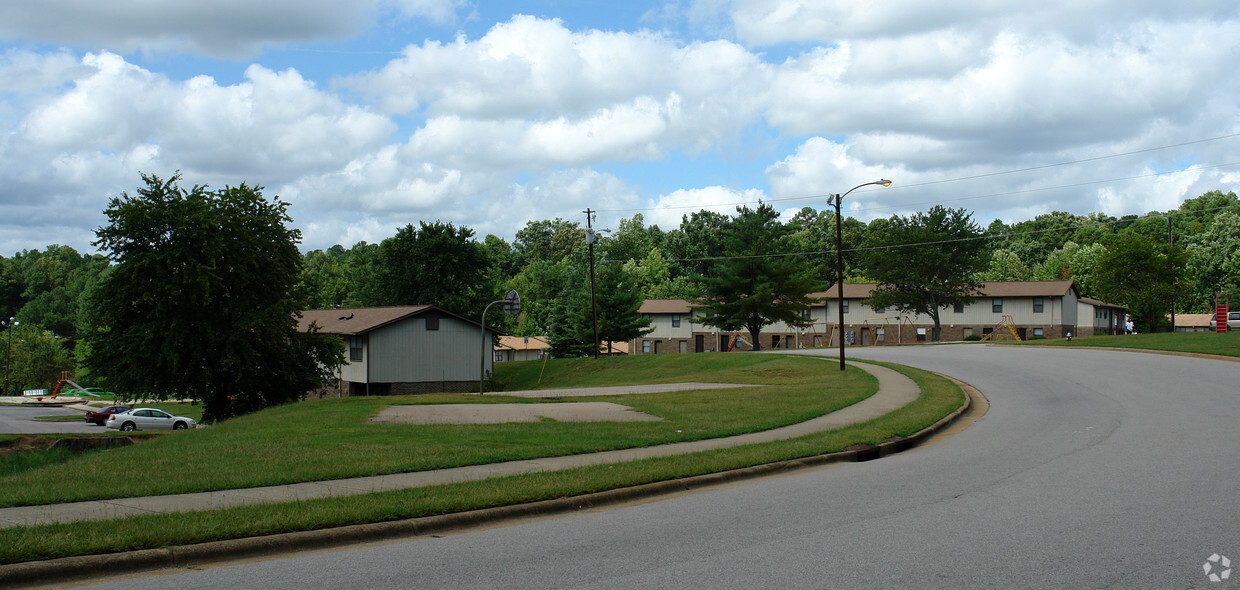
column 973, row 338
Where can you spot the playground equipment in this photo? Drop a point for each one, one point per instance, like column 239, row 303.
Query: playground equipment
column 880, row 333
column 1222, row 302
column 736, row 338
column 812, row 338
column 1004, row 330
column 65, row 378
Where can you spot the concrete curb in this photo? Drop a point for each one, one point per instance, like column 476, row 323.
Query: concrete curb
column 70, row 569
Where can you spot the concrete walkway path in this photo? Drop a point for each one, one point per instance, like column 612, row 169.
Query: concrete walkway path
column 894, row 391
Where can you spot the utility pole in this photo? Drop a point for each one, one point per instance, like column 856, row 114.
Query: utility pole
column 590, row 240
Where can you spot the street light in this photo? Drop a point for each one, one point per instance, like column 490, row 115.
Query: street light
column 836, row 200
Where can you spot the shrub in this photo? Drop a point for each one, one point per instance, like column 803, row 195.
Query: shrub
column 973, row 338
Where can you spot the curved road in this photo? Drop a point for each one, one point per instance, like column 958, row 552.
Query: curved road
column 1092, row 469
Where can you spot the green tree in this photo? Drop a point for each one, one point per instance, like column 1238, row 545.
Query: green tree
column 1214, row 261
column 1145, row 275
column 755, row 284
column 550, row 240
column 926, row 262
column 201, row 302
column 436, row 264
column 1071, row 262
column 323, row 280
column 618, row 297
column 37, row 359
column 1005, row 265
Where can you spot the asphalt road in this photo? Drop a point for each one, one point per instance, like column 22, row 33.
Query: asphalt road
column 1093, row 469
column 19, row 420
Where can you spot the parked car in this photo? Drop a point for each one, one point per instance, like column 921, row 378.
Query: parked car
column 1233, row 320
column 149, row 419
column 100, row 417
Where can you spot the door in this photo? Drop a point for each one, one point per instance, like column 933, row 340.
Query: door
column 699, row 343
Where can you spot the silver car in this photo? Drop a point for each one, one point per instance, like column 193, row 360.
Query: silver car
column 149, row 419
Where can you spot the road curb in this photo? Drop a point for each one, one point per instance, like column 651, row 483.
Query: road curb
column 70, row 569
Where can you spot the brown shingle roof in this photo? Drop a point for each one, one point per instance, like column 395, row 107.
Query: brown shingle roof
column 666, row 306
column 991, row 289
column 359, row 320
column 522, row 343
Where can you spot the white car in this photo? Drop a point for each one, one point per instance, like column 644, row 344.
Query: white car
column 149, row 419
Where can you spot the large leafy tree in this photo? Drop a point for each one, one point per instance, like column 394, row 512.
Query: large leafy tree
column 1143, row 274
column 436, row 264
column 1214, row 260
column 754, row 284
column 37, row 358
column 201, row 302
column 617, row 297
column 925, row 262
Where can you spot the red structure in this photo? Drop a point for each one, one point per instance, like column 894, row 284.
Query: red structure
column 1221, row 301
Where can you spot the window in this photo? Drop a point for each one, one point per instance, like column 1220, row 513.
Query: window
column 675, row 320
column 432, row 322
column 1038, row 302
column 1037, row 332
column 355, row 349
column 845, row 304
column 645, row 346
column 499, row 356
column 996, row 305
column 805, row 314
column 958, row 308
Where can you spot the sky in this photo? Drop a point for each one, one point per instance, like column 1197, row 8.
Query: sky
column 368, row 115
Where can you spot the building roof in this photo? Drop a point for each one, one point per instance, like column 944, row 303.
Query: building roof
column 666, row 306
column 1193, row 320
column 989, row 289
column 353, row 321
column 1096, row 303
column 522, row 343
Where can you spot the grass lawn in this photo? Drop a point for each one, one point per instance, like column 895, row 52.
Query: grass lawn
column 1227, row 344
column 939, row 397
column 332, row 439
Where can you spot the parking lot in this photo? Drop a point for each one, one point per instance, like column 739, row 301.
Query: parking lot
column 21, row 420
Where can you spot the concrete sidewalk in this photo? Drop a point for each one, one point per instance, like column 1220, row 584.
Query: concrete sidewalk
column 894, row 391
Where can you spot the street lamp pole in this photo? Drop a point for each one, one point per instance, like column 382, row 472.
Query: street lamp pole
column 837, row 200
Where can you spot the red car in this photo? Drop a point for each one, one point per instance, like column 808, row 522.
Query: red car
column 100, row 417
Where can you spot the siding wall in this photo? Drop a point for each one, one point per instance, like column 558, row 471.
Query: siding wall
column 1059, row 315
column 406, row 352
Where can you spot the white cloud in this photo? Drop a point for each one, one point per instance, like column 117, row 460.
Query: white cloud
column 531, row 119
column 668, row 210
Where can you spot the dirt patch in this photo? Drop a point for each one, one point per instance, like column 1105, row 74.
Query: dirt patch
column 504, row 413
column 27, row 444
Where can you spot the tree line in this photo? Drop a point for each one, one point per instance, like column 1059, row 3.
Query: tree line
column 748, row 269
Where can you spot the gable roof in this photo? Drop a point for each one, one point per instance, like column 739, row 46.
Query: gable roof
column 1096, row 303
column 352, row 321
column 666, row 306
column 522, row 343
column 989, row 289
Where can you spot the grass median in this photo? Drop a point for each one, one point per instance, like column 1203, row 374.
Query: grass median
column 1227, row 344
column 939, row 397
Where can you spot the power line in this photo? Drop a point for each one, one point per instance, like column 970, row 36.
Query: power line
column 977, row 176
column 1002, row 235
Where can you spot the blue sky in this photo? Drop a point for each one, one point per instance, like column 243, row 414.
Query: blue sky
column 372, row 114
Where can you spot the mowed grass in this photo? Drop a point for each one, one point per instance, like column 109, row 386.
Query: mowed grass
column 939, row 397
column 332, row 439
column 1227, row 344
